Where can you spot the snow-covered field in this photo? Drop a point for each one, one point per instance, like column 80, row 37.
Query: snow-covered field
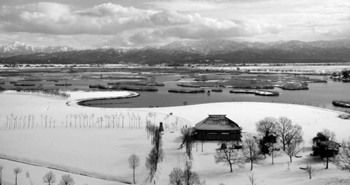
column 93, row 144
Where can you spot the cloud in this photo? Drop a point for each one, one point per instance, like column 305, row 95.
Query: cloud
column 122, row 26
column 113, row 10
column 110, row 19
column 209, row 30
column 158, row 22
column 341, row 32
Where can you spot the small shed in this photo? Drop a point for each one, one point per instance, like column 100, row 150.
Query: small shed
column 217, row 128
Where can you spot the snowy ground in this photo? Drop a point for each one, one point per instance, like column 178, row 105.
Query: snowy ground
column 73, row 141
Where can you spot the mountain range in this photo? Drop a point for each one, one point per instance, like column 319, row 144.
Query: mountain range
column 19, row 48
column 180, row 52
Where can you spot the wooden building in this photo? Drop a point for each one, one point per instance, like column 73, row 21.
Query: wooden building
column 217, row 128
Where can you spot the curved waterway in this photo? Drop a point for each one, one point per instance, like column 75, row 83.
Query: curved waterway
column 319, row 95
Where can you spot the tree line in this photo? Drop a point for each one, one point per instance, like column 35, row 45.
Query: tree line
column 49, row 178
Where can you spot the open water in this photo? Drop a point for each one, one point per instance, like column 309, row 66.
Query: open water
column 319, row 95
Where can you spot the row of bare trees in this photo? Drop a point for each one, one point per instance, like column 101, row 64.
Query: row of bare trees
column 48, row 178
column 16, row 122
column 156, row 155
column 73, row 121
column 117, row 120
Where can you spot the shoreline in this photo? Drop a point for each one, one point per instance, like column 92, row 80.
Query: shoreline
column 81, row 102
column 131, row 94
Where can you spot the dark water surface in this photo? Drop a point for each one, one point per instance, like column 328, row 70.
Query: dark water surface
column 319, row 94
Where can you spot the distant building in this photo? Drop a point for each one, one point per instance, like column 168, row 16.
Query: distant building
column 217, row 128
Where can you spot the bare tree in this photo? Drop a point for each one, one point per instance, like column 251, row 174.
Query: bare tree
column 187, row 140
column 266, row 129
column 134, row 162
column 1, row 167
column 292, row 148
column 17, row 171
column 309, row 170
column 343, row 158
column 49, row 178
column 185, row 177
column 329, row 134
column 151, row 163
column 66, row 180
column 266, row 126
column 287, row 131
column 284, row 125
column 150, row 129
column 190, row 177
column 156, row 155
column 274, row 152
column 251, row 151
column 229, row 157
column 176, row 177
column 153, row 160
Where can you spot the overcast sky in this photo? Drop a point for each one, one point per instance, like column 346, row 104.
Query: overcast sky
column 84, row 24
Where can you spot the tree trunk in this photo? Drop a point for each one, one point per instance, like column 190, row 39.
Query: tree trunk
column 188, row 178
column 272, row 156
column 251, row 159
column 327, row 155
column 16, row 180
column 134, row 175
column 230, row 167
column 251, row 165
column 290, row 157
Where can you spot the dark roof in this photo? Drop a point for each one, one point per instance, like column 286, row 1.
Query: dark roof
column 217, row 122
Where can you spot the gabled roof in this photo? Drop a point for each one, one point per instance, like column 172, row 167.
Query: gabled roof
column 217, row 122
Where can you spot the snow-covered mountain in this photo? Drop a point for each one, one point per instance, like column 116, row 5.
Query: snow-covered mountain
column 213, row 46
column 19, row 48
column 187, row 51
column 206, row 47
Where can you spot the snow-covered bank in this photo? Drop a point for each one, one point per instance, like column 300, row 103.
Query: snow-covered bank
column 77, row 98
column 82, row 95
column 98, row 141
